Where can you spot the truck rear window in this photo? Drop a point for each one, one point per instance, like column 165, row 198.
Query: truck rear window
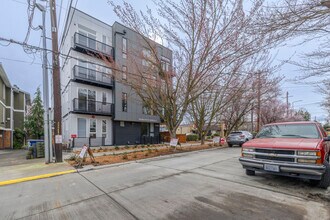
column 289, row 131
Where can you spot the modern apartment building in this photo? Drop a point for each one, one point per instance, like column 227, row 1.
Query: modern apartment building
column 97, row 108
column 14, row 104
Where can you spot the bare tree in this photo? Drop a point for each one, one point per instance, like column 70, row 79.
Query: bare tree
column 206, row 38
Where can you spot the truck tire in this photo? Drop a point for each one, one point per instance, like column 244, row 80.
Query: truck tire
column 250, row 172
column 325, row 181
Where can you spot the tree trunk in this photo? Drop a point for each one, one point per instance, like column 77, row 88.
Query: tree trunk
column 202, row 139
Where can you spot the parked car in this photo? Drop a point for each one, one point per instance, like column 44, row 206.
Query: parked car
column 295, row 149
column 238, row 138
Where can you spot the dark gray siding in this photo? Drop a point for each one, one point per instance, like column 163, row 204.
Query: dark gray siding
column 131, row 134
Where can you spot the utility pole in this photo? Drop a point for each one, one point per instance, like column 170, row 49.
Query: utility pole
column 47, row 130
column 259, row 102
column 56, row 85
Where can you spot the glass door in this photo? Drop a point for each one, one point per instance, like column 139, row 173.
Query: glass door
column 81, row 127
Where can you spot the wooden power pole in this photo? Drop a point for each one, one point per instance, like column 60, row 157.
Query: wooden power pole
column 56, row 85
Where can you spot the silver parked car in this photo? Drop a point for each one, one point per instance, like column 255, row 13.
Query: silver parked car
column 238, row 138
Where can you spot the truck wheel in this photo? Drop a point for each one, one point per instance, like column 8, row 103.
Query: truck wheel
column 250, row 172
column 325, row 181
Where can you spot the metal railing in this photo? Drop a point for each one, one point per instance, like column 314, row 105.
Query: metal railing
column 92, row 76
column 90, row 141
column 92, row 107
column 92, row 45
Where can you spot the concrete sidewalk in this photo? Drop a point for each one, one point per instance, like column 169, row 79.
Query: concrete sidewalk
column 14, row 167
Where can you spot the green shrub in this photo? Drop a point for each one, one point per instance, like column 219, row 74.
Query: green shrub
column 18, row 138
column 116, row 148
column 192, row 137
column 216, row 135
column 126, row 147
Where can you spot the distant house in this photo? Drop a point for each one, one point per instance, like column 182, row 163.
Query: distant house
column 186, row 129
column 14, row 104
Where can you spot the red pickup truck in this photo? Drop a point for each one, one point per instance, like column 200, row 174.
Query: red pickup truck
column 296, row 149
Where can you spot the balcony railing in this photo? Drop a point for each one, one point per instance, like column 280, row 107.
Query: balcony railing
column 92, row 107
column 93, row 77
column 87, row 44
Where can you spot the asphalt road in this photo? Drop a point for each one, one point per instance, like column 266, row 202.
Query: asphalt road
column 199, row 185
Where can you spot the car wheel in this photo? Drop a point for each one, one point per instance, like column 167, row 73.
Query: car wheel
column 250, row 172
column 325, row 181
column 230, row 145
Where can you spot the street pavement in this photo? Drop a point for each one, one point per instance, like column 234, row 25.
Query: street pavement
column 207, row 184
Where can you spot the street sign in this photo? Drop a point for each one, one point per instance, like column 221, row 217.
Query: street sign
column 73, row 136
column 216, row 140
column 174, row 142
column 58, row 139
column 83, row 152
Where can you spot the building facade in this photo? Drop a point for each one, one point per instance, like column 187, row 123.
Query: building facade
column 14, row 104
column 97, row 108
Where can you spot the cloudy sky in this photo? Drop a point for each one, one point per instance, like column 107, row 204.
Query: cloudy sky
column 25, row 70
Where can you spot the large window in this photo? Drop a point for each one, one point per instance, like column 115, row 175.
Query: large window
column 86, row 99
column 146, row 57
column 124, row 102
column 92, row 128
column 166, row 63
column 124, row 48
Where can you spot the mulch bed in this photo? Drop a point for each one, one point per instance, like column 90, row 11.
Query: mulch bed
column 138, row 155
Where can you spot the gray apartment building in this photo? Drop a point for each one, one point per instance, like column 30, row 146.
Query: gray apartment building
column 98, row 106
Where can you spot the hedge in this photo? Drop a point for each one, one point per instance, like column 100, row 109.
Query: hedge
column 192, row 137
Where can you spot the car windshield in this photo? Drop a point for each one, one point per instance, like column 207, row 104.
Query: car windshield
column 289, row 131
column 235, row 133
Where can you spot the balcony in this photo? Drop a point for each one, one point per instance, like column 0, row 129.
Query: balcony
column 92, row 77
column 91, row 107
column 93, row 47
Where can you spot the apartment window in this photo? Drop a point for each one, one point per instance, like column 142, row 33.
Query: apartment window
column 124, row 48
column 165, row 63
column 122, row 124
column 104, row 128
column 104, row 98
column 124, row 102
column 92, row 128
column 146, row 57
column 145, row 109
column 124, row 70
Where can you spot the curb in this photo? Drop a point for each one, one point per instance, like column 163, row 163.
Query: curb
column 30, row 178
column 91, row 167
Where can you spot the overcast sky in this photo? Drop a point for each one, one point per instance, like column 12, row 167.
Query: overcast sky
column 25, row 70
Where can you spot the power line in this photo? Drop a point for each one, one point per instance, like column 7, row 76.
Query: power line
column 20, row 61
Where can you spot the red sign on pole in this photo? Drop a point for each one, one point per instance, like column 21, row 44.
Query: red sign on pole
column 73, row 136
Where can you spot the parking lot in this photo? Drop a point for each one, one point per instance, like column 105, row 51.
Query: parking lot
column 198, row 185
